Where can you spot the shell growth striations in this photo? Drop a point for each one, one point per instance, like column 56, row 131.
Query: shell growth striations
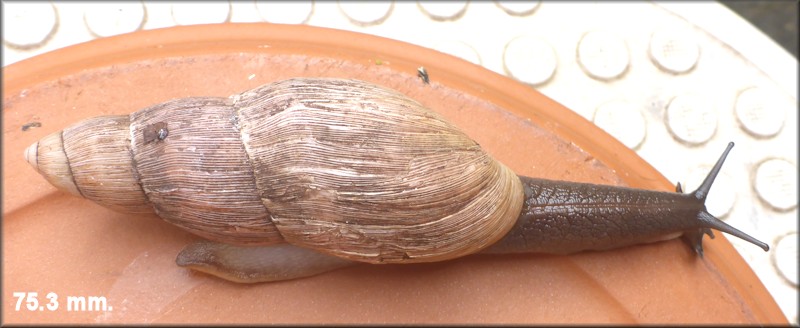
column 343, row 167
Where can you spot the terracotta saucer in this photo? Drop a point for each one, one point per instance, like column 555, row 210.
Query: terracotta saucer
column 53, row 242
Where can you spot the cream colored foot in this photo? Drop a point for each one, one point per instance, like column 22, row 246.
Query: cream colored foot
column 251, row 264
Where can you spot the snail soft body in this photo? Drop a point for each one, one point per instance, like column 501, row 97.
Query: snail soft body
column 348, row 172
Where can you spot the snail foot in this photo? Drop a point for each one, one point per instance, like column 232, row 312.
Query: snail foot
column 252, row 264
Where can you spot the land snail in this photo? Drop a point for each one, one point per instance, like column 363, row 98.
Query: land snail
column 307, row 175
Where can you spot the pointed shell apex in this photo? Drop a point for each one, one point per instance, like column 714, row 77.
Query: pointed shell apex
column 30, row 155
column 49, row 158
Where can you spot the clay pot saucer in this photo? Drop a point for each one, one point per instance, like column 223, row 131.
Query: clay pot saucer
column 54, row 242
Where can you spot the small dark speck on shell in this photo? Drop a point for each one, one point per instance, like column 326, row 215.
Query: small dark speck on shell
column 156, row 131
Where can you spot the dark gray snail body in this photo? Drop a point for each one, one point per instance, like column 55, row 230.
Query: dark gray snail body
column 350, row 172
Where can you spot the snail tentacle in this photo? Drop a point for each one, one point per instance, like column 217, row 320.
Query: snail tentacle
column 708, row 221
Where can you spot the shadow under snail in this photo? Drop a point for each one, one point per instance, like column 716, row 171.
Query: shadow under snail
column 306, row 175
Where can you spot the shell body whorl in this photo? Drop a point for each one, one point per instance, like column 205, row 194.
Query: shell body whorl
column 344, row 167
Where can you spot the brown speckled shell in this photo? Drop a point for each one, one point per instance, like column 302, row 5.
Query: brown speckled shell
column 345, row 167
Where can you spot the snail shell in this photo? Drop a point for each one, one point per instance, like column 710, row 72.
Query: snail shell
column 343, row 167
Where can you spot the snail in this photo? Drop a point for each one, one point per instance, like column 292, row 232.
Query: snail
column 307, row 175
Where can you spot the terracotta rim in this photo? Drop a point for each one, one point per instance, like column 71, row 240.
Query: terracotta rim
column 456, row 73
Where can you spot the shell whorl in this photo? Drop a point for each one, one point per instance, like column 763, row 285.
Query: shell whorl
column 341, row 166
